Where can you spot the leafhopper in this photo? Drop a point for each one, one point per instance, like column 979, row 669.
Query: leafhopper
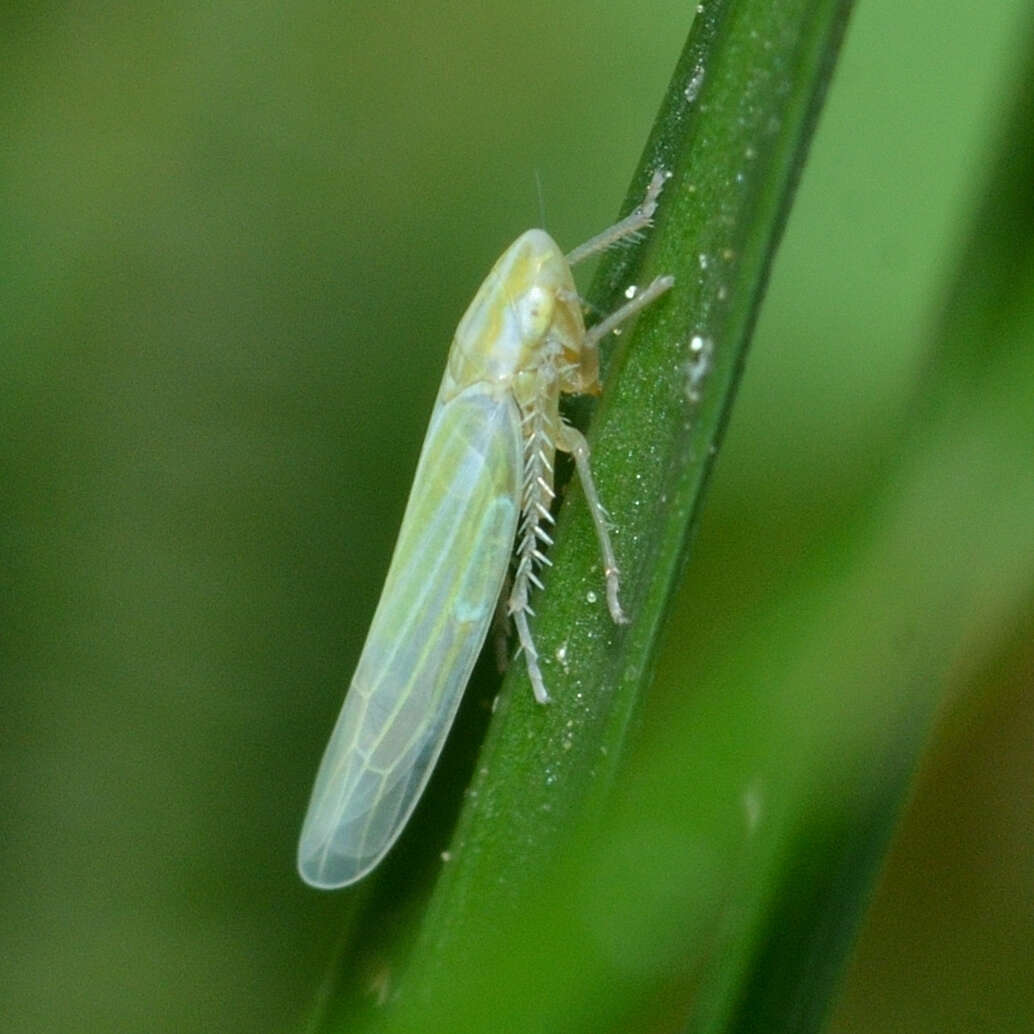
column 483, row 481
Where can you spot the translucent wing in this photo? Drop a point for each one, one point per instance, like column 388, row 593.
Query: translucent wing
column 445, row 578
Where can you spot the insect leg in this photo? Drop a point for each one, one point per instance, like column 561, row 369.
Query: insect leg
column 630, row 226
column 596, row 333
column 531, row 654
column 501, row 628
column 571, row 440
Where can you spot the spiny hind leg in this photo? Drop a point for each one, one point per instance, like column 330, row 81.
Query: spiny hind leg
column 531, row 654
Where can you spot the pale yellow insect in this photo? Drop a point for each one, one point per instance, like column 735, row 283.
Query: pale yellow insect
column 484, row 478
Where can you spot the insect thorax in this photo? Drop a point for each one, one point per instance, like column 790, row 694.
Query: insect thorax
column 523, row 336
column 525, row 319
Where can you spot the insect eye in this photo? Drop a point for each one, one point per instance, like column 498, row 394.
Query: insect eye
column 537, row 308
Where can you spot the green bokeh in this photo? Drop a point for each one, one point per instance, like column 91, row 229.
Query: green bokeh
column 237, row 239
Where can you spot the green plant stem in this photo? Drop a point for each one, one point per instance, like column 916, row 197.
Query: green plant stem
column 732, row 133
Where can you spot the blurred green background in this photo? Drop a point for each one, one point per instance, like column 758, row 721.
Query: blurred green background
column 236, row 240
